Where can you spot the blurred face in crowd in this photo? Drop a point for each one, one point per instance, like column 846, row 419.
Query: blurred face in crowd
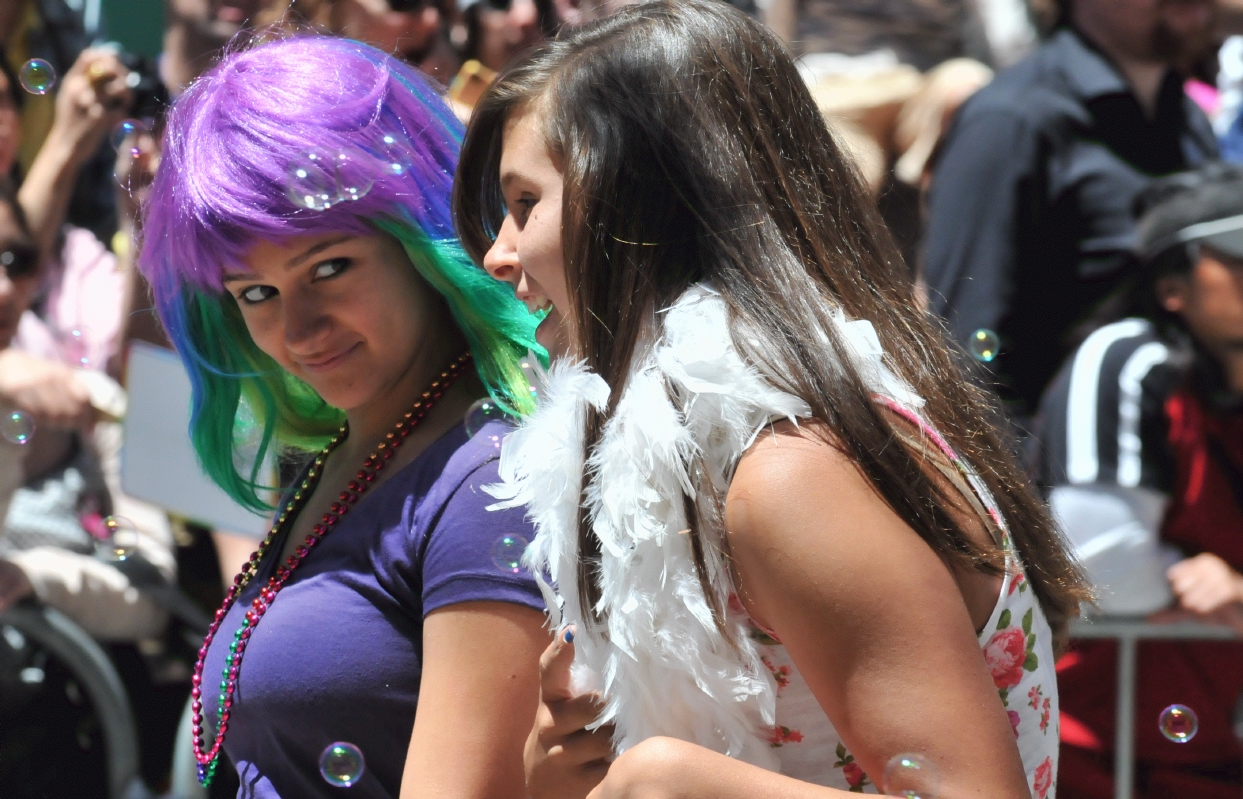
column 346, row 314
column 219, row 20
column 1209, row 298
column 19, row 273
column 408, row 33
column 10, row 133
column 506, row 28
column 1166, row 31
column 527, row 250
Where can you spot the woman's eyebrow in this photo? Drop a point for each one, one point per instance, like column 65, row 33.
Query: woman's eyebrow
column 233, row 277
column 316, row 249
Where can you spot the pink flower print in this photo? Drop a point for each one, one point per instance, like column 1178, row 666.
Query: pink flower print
column 782, row 674
column 1033, row 697
column 1014, row 584
column 735, row 604
column 1044, row 717
column 851, row 770
column 779, row 736
column 1004, row 653
column 1043, row 779
column 1013, row 715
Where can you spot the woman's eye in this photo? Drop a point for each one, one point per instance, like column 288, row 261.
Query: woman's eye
column 330, row 268
column 522, row 208
column 256, row 294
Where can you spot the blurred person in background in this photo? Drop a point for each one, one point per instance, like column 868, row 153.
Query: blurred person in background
column 416, row 31
column 59, row 326
column 195, row 33
column 53, row 525
column 58, row 32
column 1030, row 201
column 1143, row 458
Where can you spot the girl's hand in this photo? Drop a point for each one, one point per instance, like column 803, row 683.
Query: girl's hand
column 92, row 99
column 563, row 759
column 1205, row 584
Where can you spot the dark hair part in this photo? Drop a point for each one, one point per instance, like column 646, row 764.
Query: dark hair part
column 692, row 151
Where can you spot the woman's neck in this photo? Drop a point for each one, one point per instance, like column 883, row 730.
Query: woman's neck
column 370, row 422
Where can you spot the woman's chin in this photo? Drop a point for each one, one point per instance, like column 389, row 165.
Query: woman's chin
column 551, row 335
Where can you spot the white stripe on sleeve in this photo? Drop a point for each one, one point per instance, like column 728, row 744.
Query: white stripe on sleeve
column 1130, row 447
column 1082, row 459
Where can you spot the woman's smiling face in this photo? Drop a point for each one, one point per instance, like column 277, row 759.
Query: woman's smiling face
column 527, row 250
column 347, row 314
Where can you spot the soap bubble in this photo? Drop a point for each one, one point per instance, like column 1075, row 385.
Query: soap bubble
column 342, row 764
column 395, row 154
column 311, row 183
column 128, row 131
column 507, row 553
column 122, row 538
column 37, row 76
column 911, row 776
column 353, row 180
column 984, row 345
column 1179, row 723
column 17, row 427
column 73, row 345
column 480, row 414
column 319, row 181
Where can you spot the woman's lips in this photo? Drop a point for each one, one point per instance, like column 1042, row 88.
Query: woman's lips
column 322, row 365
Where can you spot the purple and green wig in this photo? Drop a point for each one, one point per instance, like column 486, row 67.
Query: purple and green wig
column 308, row 135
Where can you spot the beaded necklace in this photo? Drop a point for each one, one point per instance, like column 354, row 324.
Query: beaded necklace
column 209, row 759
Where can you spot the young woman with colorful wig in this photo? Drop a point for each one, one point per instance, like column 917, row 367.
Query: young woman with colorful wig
column 299, row 246
column 794, row 552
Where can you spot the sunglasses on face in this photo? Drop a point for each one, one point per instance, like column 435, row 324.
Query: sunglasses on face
column 19, row 260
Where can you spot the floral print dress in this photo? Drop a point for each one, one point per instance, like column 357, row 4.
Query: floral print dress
column 1017, row 646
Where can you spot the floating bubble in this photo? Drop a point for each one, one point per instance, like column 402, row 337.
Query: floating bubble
column 507, row 553
column 911, row 776
column 342, row 764
column 126, row 133
column 122, row 538
column 37, row 76
column 319, row 181
column 74, row 347
column 17, row 427
column 1179, row 724
column 353, row 180
column 984, row 345
column 394, row 155
column 480, row 414
column 311, row 183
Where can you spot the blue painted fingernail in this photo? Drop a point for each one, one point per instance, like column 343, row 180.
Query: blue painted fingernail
column 569, row 635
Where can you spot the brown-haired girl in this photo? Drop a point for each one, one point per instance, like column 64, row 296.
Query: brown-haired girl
column 789, row 539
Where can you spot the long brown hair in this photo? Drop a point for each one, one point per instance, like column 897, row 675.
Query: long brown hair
column 692, row 151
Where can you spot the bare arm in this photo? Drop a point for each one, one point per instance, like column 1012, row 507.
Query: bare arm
column 92, row 99
column 873, row 619
column 477, row 700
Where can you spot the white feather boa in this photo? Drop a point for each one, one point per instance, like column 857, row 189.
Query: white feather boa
column 664, row 667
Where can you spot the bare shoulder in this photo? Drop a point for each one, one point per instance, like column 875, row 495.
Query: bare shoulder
column 791, row 472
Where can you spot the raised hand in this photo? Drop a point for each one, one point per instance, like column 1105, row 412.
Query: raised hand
column 563, row 759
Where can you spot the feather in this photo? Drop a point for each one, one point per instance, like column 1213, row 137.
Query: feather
column 662, row 664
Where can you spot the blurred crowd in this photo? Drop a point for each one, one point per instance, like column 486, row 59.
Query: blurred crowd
column 1057, row 174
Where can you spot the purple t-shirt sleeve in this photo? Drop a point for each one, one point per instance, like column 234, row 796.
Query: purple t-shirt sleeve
column 459, row 559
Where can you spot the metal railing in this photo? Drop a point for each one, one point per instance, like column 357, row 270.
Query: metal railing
column 1128, row 632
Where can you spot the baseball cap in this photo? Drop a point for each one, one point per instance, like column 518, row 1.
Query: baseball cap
column 1203, row 206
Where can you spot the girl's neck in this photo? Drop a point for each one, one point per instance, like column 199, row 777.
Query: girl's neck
column 370, row 422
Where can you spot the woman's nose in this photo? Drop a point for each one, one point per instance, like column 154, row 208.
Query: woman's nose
column 501, row 261
column 307, row 324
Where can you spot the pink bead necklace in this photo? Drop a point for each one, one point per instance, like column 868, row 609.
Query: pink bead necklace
column 209, row 759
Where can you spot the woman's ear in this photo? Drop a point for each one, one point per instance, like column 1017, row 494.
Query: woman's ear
column 1172, row 293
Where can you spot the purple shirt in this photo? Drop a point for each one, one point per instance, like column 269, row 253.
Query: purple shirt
column 338, row 656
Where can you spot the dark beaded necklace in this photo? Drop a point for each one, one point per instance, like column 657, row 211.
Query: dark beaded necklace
column 209, row 759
